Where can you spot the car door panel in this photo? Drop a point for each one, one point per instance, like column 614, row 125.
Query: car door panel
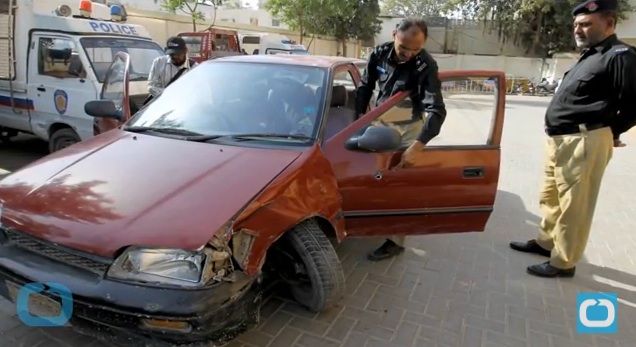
column 453, row 183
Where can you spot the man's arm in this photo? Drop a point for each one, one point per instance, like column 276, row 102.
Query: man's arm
column 155, row 86
column 432, row 103
column 622, row 71
column 365, row 90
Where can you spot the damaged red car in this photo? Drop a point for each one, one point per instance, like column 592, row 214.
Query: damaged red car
column 245, row 166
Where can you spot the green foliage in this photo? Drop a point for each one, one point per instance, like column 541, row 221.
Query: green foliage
column 543, row 27
column 415, row 8
column 343, row 19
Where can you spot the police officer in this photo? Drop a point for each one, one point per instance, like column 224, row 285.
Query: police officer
column 401, row 65
column 595, row 104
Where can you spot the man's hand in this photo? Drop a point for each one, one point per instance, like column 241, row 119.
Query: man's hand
column 408, row 157
column 619, row 143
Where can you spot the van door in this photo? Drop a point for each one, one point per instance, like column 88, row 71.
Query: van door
column 59, row 89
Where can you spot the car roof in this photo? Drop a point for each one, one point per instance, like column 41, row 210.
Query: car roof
column 291, row 59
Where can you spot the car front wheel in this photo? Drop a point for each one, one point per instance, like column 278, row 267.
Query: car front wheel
column 312, row 269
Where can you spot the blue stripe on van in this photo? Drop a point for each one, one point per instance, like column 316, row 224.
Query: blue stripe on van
column 25, row 104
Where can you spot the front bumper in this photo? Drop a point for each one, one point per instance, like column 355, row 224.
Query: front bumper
column 215, row 312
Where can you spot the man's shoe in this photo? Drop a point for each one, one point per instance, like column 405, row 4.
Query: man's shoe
column 387, row 250
column 547, row 270
column 530, row 247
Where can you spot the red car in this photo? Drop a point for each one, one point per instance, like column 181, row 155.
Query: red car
column 245, row 167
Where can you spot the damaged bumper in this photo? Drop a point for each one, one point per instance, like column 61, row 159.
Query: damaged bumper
column 212, row 312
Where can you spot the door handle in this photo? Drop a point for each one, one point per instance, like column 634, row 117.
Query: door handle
column 41, row 89
column 473, row 172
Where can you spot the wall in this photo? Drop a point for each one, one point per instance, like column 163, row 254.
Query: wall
column 514, row 67
column 459, row 38
column 626, row 29
column 151, row 5
column 249, row 16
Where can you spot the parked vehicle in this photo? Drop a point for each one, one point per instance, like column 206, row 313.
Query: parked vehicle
column 54, row 58
column 271, row 44
column 211, row 43
column 546, row 87
column 168, row 225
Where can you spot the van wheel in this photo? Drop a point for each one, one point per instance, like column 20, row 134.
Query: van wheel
column 314, row 270
column 6, row 135
column 62, row 138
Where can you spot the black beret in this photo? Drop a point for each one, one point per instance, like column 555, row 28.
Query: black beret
column 593, row 6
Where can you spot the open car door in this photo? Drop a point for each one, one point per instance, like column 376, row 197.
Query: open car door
column 115, row 89
column 452, row 185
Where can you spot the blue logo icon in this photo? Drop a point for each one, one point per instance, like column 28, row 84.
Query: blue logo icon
column 47, row 312
column 597, row 313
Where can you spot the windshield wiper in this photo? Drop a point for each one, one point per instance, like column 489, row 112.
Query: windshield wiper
column 170, row 131
column 247, row 137
column 275, row 136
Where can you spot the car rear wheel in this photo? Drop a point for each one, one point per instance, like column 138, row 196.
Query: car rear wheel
column 62, row 138
column 313, row 269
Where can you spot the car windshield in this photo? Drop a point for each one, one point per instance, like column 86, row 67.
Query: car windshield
column 102, row 50
column 220, row 98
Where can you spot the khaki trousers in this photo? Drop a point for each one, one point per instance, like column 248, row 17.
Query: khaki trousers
column 410, row 132
column 574, row 168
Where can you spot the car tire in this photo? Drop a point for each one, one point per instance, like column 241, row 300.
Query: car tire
column 323, row 268
column 62, row 138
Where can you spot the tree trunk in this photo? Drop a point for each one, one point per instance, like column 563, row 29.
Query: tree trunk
column 537, row 34
column 194, row 23
column 344, row 47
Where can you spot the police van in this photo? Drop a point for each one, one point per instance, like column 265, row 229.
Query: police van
column 54, row 57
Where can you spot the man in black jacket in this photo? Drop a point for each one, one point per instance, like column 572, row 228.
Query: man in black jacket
column 404, row 65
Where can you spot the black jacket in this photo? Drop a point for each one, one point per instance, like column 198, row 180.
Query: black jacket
column 600, row 88
column 419, row 75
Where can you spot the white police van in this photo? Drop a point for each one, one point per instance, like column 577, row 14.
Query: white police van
column 54, row 57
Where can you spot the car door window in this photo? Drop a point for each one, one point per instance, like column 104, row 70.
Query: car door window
column 342, row 105
column 471, row 105
column 58, row 57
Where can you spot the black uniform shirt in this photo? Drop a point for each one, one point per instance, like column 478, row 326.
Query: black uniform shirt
column 419, row 75
column 600, row 88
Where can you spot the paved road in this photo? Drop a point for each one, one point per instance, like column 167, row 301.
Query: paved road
column 452, row 290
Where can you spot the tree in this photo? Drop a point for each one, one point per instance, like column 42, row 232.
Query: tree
column 344, row 19
column 415, row 8
column 352, row 19
column 299, row 14
column 191, row 8
column 543, row 27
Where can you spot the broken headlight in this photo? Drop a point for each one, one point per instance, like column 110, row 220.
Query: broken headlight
column 161, row 266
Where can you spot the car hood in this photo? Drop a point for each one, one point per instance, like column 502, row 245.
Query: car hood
column 122, row 189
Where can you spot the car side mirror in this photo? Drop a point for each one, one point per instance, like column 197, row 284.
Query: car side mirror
column 102, row 109
column 375, row 139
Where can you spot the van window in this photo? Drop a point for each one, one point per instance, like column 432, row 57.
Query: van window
column 58, row 57
column 193, row 43
column 101, row 51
